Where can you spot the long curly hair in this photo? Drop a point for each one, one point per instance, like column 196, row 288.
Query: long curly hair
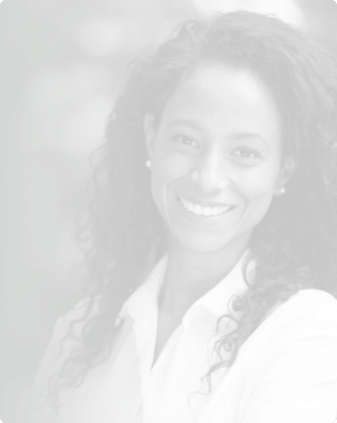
column 295, row 245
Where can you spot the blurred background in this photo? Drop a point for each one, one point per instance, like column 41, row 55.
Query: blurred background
column 62, row 63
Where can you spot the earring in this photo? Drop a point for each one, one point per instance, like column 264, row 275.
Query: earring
column 282, row 191
column 148, row 164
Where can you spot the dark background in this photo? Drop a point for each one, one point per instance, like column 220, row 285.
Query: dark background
column 62, row 62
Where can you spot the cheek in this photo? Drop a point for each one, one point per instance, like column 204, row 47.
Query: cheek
column 259, row 193
column 168, row 169
column 156, row 187
column 165, row 173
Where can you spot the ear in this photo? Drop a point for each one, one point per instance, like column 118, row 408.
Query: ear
column 149, row 133
column 288, row 168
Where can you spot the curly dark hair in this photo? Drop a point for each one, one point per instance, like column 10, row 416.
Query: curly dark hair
column 295, row 245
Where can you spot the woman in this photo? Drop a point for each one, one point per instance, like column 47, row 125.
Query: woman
column 213, row 240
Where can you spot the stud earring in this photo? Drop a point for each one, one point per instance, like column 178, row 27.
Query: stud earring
column 148, row 164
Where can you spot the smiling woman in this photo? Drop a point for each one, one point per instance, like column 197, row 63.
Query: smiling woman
column 216, row 152
column 212, row 258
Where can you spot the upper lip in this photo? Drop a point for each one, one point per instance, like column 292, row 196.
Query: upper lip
column 202, row 202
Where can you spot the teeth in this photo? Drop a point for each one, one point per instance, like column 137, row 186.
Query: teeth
column 208, row 211
column 203, row 211
column 197, row 209
column 215, row 211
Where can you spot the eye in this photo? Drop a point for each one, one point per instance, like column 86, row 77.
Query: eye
column 247, row 155
column 185, row 140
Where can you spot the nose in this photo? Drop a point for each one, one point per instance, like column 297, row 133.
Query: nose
column 211, row 173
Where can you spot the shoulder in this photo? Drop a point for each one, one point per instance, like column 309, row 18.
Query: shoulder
column 36, row 402
column 72, row 321
column 76, row 315
column 290, row 361
column 68, row 327
column 64, row 339
column 316, row 305
column 307, row 318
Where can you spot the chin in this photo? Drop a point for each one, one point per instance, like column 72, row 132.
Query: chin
column 202, row 243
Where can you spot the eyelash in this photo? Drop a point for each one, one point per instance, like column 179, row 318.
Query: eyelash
column 256, row 155
column 187, row 141
column 180, row 139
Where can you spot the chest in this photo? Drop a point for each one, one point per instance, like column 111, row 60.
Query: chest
column 172, row 388
column 167, row 323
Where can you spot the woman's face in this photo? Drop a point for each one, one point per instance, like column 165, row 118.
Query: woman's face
column 216, row 158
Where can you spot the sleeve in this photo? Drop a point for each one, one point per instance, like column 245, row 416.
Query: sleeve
column 296, row 380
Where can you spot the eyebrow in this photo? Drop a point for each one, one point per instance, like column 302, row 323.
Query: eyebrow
column 248, row 135
column 186, row 122
column 236, row 136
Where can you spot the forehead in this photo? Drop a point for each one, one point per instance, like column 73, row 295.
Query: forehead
column 216, row 94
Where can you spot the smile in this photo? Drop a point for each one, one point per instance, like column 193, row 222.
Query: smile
column 199, row 210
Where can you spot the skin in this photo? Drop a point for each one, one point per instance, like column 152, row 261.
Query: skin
column 218, row 143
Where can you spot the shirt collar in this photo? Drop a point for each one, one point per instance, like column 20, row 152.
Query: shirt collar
column 214, row 301
column 145, row 298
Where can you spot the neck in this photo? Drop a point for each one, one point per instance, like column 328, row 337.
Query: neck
column 191, row 274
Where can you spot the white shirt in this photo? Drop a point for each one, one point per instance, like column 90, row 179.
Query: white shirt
column 285, row 372
column 169, row 391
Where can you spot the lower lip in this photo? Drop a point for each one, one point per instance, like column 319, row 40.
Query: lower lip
column 201, row 217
